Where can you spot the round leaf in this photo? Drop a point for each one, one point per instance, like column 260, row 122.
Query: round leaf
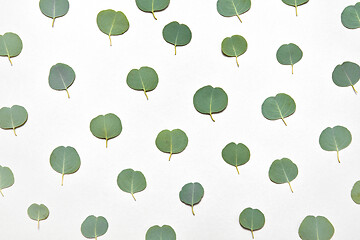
column 112, row 23
column 61, row 77
column 6, row 178
column 289, row 54
column 38, row 212
column 144, row 79
column 346, row 74
column 152, row 5
column 174, row 141
column 106, row 127
column 350, row 16
column 283, row 171
column 131, row 181
column 94, row 227
column 278, row 107
column 10, row 45
column 191, row 194
column 160, row 233
column 236, row 154
column 209, row 100
column 295, row 3
column 252, row 219
column 355, row 192
column 14, row 117
column 234, row 46
column 177, row 34
column 54, row 8
column 316, row 228
column 230, row 8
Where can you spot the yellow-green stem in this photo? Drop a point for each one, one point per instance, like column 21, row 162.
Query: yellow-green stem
column 1, row 193
column 354, row 89
column 110, row 40
column 62, row 180
column 147, row 98
column 14, row 131
column 132, row 194
column 238, row 17
column 337, row 152
column 296, row 10
column 237, row 169
column 212, row 117
column 192, row 210
column 252, row 234
column 290, row 187
column 292, row 69
column 106, row 142
column 10, row 60
column 175, row 49
column 38, row 225
column 67, row 93
column 283, row 121
column 237, row 63
column 170, row 156
column 53, row 22
column 153, row 15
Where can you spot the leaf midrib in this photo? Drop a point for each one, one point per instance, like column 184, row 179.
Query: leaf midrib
column 62, row 79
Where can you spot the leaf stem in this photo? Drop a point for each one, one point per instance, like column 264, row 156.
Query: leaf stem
column 132, row 194
column 53, row 22
column 337, row 152
column 237, row 63
column 170, row 156
column 292, row 69
column 153, row 15
column 10, row 60
column 146, row 95
column 252, row 233
column 192, row 209
column 212, row 117
column 238, row 17
column 237, row 169
column 290, row 187
column 175, row 49
column 1, row 193
column 283, row 120
column 14, row 131
column 38, row 225
column 62, row 180
column 354, row 89
column 67, row 93
column 296, row 10
column 110, row 40
column 106, row 142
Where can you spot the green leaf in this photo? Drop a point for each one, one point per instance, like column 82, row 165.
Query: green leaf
column 106, row 127
column 346, row 74
column 230, row 8
column 10, row 45
column 6, row 178
column 350, row 16
column 112, row 23
column 191, row 194
column 234, row 46
column 61, row 77
column 160, row 233
column 38, row 212
column 172, row 142
column 14, row 117
column 152, row 5
column 236, row 154
column 252, row 219
column 177, row 34
column 131, row 181
column 209, row 100
column 278, row 107
column 335, row 139
column 94, row 227
column 54, row 8
column 289, row 54
column 65, row 160
column 355, row 192
column 316, row 228
column 144, row 79
column 295, row 3
column 283, row 171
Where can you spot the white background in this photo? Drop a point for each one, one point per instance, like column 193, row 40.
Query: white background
column 322, row 187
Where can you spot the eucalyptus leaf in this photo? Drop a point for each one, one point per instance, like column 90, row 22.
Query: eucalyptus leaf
column 295, row 3
column 10, row 45
column 152, row 5
column 289, row 54
column 38, row 212
column 278, row 107
column 172, row 142
column 355, row 192
column 131, row 181
column 316, row 228
column 191, row 194
column 106, row 127
column 61, row 77
column 144, row 79
column 112, row 23
column 234, row 46
column 209, row 100
column 335, row 139
column 350, row 16
column 160, row 233
column 252, row 219
column 230, row 8
column 6, row 178
column 54, row 8
column 283, row 171
column 236, row 154
column 14, row 117
column 177, row 34
column 346, row 74
column 94, row 227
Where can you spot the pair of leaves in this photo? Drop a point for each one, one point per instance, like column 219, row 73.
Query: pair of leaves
column 14, row 117
column 191, row 194
column 177, row 34
column 112, row 23
column 172, row 142
column 316, row 228
column 335, row 139
column 289, row 54
column 131, row 181
column 61, row 77
column 160, row 233
column 295, row 3
column 230, row 8
column 209, row 100
column 145, row 79
column 54, row 8
column 234, row 46
column 350, row 16
column 38, row 212
column 252, row 219
column 346, row 74
column 94, row 227
column 106, row 127
column 278, row 107
column 355, row 192
column 283, row 171
column 6, row 178
column 10, row 45
column 152, row 5
column 236, row 154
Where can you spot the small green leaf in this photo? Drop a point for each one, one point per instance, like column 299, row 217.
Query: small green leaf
column 278, row 107
column 14, row 117
column 252, row 219
column 144, row 79
column 350, row 16
column 346, row 74
column 191, row 194
column 54, row 8
column 289, row 54
column 61, row 77
column 283, row 171
column 355, row 192
column 316, row 228
column 335, row 139
column 10, row 45
column 38, row 212
column 6, row 178
column 131, row 181
column 209, row 100
column 177, row 34
column 295, row 3
column 160, row 233
column 236, row 154
column 152, row 5
column 234, row 46
column 172, row 142
column 230, row 8
column 106, row 127
column 112, row 23
column 94, row 227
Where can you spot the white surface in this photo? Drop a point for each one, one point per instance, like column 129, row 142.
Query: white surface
column 322, row 187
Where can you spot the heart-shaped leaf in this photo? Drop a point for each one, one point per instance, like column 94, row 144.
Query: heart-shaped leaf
column 335, row 139
column 160, row 233
column 144, row 79
column 191, row 194
column 209, row 100
column 289, row 54
column 234, row 46
column 106, row 127
column 278, row 107
column 152, row 5
column 38, row 212
column 230, row 8
column 6, row 178
column 295, row 3
column 177, row 34
column 252, row 219
column 61, row 77
column 94, row 227
column 283, row 171
column 355, row 192
column 131, row 181
column 54, row 8
column 316, row 228
column 112, row 23
column 14, row 117
column 346, row 74
column 172, row 142
column 350, row 16
column 236, row 154
column 10, row 45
